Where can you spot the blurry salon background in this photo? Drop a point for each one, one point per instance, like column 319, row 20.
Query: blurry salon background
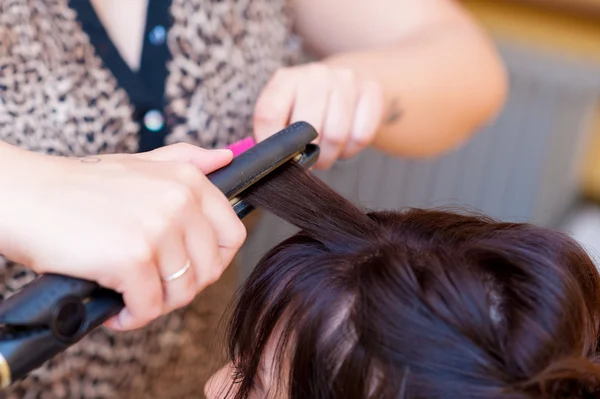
column 539, row 161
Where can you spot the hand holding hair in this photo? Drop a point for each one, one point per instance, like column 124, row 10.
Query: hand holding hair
column 150, row 226
column 345, row 107
column 410, row 78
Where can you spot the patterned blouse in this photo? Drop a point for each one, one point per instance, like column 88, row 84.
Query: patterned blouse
column 64, row 90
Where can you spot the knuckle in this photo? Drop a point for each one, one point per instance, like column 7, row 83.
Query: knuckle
column 268, row 110
column 363, row 139
column 317, row 69
column 187, row 172
column 346, row 75
column 142, row 255
column 210, row 278
column 214, row 276
column 182, row 146
column 336, row 139
column 239, row 234
column 178, row 197
column 156, row 225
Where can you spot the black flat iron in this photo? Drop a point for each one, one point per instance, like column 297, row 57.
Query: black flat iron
column 54, row 312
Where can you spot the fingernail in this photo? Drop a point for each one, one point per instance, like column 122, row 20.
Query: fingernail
column 122, row 320
column 224, row 151
column 112, row 324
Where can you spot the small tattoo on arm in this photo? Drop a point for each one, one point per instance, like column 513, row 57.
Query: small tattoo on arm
column 395, row 112
column 90, row 160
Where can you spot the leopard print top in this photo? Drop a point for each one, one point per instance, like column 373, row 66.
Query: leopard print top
column 57, row 97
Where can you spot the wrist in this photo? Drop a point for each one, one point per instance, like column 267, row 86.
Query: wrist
column 18, row 198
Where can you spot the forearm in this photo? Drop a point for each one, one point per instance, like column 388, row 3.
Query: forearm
column 20, row 172
column 439, row 87
column 28, row 182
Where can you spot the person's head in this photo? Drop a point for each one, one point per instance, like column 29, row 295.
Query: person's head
column 419, row 304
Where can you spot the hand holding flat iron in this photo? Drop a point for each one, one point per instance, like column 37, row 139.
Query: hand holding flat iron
column 150, row 226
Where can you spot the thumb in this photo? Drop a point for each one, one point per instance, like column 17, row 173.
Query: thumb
column 275, row 104
column 205, row 160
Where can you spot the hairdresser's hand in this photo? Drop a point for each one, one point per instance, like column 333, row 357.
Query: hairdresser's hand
column 127, row 222
column 345, row 108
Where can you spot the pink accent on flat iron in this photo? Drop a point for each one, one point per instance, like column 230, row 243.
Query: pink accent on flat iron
column 241, row 146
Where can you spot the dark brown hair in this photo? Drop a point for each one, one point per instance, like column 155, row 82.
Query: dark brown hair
column 418, row 304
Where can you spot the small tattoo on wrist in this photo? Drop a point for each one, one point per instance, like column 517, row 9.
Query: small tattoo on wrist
column 90, row 159
column 395, row 113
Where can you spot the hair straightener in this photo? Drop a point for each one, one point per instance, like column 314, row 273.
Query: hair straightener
column 54, row 312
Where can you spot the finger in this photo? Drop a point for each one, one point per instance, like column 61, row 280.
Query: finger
column 203, row 250
column 173, row 262
column 274, row 104
column 312, row 96
column 229, row 230
column 367, row 119
column 214, row 211
column 143, row 299
column 212, row 160
column 339, row 119
column 205, row 160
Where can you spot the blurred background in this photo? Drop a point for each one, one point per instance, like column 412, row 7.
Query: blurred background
column 538, row 162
